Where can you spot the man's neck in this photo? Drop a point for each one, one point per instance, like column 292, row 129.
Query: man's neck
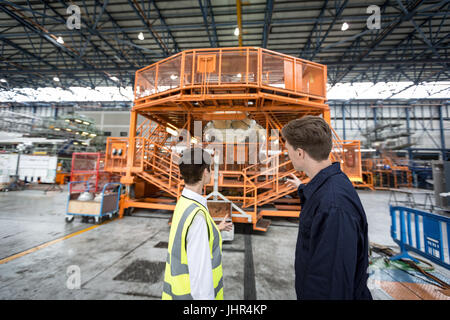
column 198, row 188
column 316, row 167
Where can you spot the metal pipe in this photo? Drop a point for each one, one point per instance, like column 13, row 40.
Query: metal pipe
column 216, row 176
column 441, row 129
column 239, row 20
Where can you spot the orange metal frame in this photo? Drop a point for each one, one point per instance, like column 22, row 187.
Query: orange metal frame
column 222, row 84
column 385, row 174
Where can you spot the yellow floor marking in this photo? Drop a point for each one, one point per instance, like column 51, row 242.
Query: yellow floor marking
column 23, row 253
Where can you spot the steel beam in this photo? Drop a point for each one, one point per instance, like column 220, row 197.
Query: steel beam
column 145, row 20
column 47, row 36
column 442, row 133
column 267, row 22
column 313, row 30
column 338, row 11
column 53, row 71
column 403, row 17
column 210, row 24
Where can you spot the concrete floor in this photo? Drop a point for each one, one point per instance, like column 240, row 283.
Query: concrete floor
column 123, row 259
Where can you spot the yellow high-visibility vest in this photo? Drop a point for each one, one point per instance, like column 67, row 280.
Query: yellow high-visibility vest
column 176, row 279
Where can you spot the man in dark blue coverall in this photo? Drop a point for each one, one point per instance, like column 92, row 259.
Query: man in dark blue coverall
column 331, row 257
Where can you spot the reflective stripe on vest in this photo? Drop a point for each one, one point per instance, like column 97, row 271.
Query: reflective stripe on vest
column 218, row 287
column 217, row 257
column 176, row 267
column 168, row 290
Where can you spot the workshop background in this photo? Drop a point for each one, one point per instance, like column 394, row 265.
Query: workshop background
column 99, row 97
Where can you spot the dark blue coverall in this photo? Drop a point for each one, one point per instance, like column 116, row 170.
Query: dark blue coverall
column 331, row 257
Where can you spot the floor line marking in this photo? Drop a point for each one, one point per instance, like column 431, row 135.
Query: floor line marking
column 44, row 245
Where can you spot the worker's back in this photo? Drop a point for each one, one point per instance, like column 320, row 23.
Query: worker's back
column 332, row 245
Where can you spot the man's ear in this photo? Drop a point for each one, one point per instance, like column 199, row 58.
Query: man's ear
column 301, row 153
column 205, row 172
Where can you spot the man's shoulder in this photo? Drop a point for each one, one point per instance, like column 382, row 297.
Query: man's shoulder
column 200, row 215
column 194, row 205
column 340, row 185
column 339, row 193
column 197, row 225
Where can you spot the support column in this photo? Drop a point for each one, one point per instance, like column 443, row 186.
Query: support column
column 441, row 129
column 326, row 116
column 128, row 179
column 267, row 136
column 343, row 122
column 408, row 129
column 375, row 121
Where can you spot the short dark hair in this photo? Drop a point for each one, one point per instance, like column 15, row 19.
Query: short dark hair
column 310, row 133
column 192, row 163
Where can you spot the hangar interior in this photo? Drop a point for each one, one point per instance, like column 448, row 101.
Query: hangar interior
column 99, row 97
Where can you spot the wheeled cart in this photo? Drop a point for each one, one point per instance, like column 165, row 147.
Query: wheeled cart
column 105, row 204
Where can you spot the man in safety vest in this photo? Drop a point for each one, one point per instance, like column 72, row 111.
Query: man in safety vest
column 194, row 259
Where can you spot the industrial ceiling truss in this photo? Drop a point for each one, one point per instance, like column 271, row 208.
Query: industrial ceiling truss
column 39, row 48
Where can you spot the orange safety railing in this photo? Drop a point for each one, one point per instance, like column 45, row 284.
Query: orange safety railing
column 222, row 84
column 204, row 68
column 160, row 167
column 273, row 172
column 260, row 183
column 348, row 153
column 386, row 174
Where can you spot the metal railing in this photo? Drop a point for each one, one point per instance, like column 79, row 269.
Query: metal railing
column 204, row 68
column 421, row 232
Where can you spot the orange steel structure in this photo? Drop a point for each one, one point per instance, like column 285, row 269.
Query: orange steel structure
column 385, row 174
column 198, row 86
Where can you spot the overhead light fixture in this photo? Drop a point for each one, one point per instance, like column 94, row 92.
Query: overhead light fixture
column 173, row 77
column 57, row 129
column 236, row 32
column 3, row 80
column 56, row 79
column 75, row 142
column 93, row 135
column 86, row 123
column 68, row 129
column 344, row 26
column 194, row 140
column 141, row 36
column 114, row 78
column 60, row 40
column 84, row 133
column 239, row 75
column 67, row 120
column 79, row 121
